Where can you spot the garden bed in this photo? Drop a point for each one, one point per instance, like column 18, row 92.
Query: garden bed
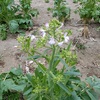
column 88, row 59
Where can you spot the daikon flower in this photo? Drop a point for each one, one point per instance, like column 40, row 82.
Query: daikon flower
column 32, row 37
column 60, row 43
column 43, row 33
column 66, row 39
column 47, row 25
column 52, row 41
column 65, row 34
column 30, row 62
column 27, row 69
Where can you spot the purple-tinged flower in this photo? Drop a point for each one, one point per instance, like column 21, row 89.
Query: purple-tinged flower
column 60, row 43
column 47, row 25
column 65, row 34
column 52, row 41
column 43, row 33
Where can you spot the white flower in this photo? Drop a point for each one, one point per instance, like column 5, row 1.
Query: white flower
column 43, row 32
column 66, row 39
column 27, row 69
column 65, row 34
column 52, row 41
column 15, row 46
column 32, row 37
column 30, row 62
column 60, row 43
column 47, row 25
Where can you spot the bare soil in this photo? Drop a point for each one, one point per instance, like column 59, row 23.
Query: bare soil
column 88, row 58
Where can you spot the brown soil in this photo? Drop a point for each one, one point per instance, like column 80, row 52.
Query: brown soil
column 88, row 59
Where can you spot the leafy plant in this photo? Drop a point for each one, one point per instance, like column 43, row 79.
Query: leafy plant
column 46, row 1
column 60, row 10
column 48, row 82
column 96, row 12
column 11, row 85
column 25, row 17
column 80, row 46
column 3, row 32
column 89, row 9
column 64, row 85
column 16, row 17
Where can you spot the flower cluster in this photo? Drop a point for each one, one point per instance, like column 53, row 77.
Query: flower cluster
column 54, row 33
column 51, row 33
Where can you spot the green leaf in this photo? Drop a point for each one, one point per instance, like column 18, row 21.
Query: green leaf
column 9, row 84
column 34, row 12
column 13, row 26
column 42, row 68
column 31, row 96
column 28, row 91
column 62, row 86
column 62, row 61
column 30, row 78
column 97, row 89
column 17, row 71
column 69, row 46
column 90, row 95
column 18, row 87
column 36, row 56
column 72, row 71
column 75, row 96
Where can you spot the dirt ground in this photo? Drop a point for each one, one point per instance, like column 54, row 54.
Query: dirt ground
column 88, row 58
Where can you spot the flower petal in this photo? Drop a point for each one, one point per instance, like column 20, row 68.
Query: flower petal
column 52, row 41
column 47, row 25
column 43, row 33
column 66, row 39
column 60, row 43
column 32, row 37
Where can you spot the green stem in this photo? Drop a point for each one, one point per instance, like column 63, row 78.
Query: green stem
column 52, row 58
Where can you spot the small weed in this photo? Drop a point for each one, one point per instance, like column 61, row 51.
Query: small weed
column 80, row 46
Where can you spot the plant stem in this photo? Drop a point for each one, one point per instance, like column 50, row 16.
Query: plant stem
column 52, row 58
